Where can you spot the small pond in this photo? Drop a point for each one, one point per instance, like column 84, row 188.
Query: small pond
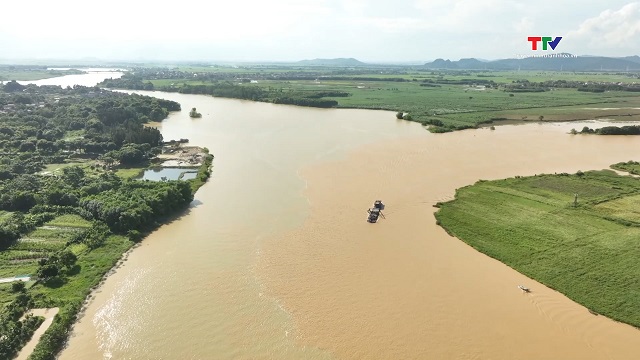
column 169, row 174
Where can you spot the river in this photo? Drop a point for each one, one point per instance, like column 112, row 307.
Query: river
column 91, row 77
column 274, row 260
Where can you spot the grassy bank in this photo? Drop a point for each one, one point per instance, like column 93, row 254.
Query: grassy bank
column 632, row 167
column 457, row 106
column 65, row 217
column 445, row 100
column 586, row 251
column 204, row 172
column 90, row 268
column 27, row 73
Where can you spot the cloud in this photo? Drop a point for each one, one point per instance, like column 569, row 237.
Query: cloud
column 295, row 29
column 618, row 29
column 524, row 25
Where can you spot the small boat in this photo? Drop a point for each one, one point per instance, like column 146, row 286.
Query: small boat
column 375, row 211
column 373, row 215
column 524, row 288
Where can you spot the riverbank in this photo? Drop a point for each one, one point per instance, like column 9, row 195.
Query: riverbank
column 403, row 288
column 99, row 264
column 31, row 73
column 583, row 246
column 443, row 100
column 74, row 221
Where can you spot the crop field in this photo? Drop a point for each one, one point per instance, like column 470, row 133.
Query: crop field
column 87, row 272
column 22, row 257
column 452, row 104
column 588, row 251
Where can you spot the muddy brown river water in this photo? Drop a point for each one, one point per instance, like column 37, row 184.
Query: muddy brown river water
column 274, row 259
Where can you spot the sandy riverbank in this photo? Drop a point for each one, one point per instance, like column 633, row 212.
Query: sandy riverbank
column 403, row 288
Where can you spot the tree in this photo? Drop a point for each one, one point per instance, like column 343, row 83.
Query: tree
column 48, row 271
column 67, row 258
column 540, row 117
column 13, row 86
column 194, row 113
column 17, row 286
column 399, row 115
column 73, row 175
column 27, row 146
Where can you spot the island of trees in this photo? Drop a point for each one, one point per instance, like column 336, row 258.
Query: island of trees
column 194, row 113
column 67, row 228
column 611, row 130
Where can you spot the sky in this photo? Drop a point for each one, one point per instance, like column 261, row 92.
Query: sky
column 291, row 30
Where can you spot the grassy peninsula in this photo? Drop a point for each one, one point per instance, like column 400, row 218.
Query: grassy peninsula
column 587, row 249
column 68, row 207
column 444, row 100
column 28, row 72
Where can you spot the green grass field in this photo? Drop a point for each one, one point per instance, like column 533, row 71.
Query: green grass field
column 22, row 257
column 8, row 73
column 632, row 167
column 460, row 105
column 129, row 173
column 589, row 252
column 90, row 267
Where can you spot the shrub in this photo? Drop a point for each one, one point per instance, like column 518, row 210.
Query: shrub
column 17, row 286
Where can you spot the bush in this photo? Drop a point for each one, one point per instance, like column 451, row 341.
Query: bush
column 134, row 235
column 17, row 286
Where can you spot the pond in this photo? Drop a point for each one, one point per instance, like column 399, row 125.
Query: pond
column 160, row 174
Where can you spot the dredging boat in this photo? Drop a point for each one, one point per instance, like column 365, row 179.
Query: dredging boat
column 375, row 211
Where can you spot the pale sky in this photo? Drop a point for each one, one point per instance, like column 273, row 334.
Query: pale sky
column 290, row 30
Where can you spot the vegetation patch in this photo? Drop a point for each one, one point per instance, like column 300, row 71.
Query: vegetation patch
column 632, row 167
column 66, row 216
column 584, row 247
column 445, row 100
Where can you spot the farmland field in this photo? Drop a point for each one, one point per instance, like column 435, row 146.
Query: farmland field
column 450, row 99
column 588, row 251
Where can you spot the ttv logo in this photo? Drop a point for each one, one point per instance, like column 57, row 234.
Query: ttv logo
column 546, row 40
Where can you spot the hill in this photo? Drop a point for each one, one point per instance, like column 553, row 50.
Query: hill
column 580, row 63
column 332, row 62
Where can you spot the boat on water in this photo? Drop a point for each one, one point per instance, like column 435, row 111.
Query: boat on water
column 524, row 288
column 375, row 211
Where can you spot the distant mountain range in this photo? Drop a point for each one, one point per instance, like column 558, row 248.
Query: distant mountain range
column 332, row 62
column 580, row 63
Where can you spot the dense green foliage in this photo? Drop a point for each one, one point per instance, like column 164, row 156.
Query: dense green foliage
column 14, row 333
column 53, row 339
column 67, row 228
column 588, row 251
column 229, row 89
column 613, row 130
